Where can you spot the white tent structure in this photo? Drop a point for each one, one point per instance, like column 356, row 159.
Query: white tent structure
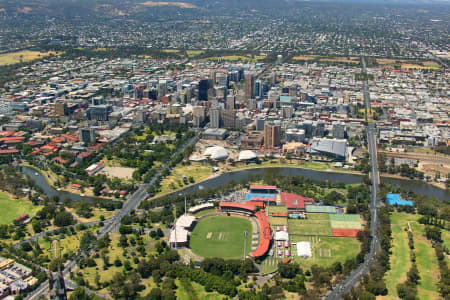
column 304, row 249
column 281, row 236
column 247, row 155
column 216, row 153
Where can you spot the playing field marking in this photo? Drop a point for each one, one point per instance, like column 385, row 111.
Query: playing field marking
column 208, row 236
column 220, row 236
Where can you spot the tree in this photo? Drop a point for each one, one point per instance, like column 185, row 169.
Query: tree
column 63, row 218
column 433, row 233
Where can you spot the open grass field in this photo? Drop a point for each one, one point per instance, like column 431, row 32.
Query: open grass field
column 189, row 290
column 400, row 263
column 318, row 226
column 399, row 260
column 221, row 236
column 175, row 180
column 233, row 58
column 24, row 56
column 13, row 208
column 326, row 250
column 426, row 263
column 194, row 53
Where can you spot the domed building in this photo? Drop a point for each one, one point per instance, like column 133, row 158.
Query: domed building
column 247, row 155
column 216, row 153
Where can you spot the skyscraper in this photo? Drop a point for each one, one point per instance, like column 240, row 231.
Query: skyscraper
column 214, row 117
column 231, row 102
column 271, row 135
column 250, row 86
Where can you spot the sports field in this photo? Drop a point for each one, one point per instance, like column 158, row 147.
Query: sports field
column 13, row 208
column 221, row 236
column 326, row 250
column 315, row 225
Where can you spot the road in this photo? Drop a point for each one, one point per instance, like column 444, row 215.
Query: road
column 345, row 286
column 110, row 225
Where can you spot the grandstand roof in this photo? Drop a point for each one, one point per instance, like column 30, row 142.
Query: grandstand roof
column 185, row 221
column 265, row 235
column 237, row 205
column 200, row 207
column 263, row 187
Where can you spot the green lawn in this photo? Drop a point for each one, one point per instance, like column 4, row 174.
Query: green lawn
column 221, row 237
column 13, row 208
column 197, row 291
column 426, row 263
column 326, row 250
column 269, row 265
column 399, row 260
column 317, row 225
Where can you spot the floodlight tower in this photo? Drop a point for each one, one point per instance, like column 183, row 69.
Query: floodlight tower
column 245, row 244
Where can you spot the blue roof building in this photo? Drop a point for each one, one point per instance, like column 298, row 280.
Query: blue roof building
column 394, row 199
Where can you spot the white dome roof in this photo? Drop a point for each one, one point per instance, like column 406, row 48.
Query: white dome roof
column 247, row 155
column 216, row 153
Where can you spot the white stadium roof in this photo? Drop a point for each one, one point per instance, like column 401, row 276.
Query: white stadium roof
column 247, row 155
column 216, row 153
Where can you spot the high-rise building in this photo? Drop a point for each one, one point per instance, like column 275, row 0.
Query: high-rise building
column 214, row 117
column 250, row 86
column 203, row 86
column 162, row 88
column 87, row 135
column 271, row 135
column 231, row 102
column 338, row 130
column 259, row 88
column 287, row 111
column 60, row 109
column 230, row 119
column 98, row 112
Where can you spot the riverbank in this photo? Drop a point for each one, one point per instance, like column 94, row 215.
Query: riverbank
column 52, row 178
column 222, row 178
column 203, row 172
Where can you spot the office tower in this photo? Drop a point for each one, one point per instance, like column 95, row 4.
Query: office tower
column 98, row 112
column 229, row 119
column 87, row 135
column 339, row 130
column 251, row 104
column 214, row 117
column 203, row 86
column 259, row 88
column 287, row 111
column 162, row 88
column 271, row 136
column 60, row 109
column 260, row 124
column 222, row 80
column 212, row 76
column 231, row 102
column 250, row 86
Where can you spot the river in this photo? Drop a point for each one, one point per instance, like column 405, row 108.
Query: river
column 220, row 180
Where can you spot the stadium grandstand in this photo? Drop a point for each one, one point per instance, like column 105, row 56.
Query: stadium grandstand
column 265, row 236
column 197, row 208
column 263, row 189
column 237, row 207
